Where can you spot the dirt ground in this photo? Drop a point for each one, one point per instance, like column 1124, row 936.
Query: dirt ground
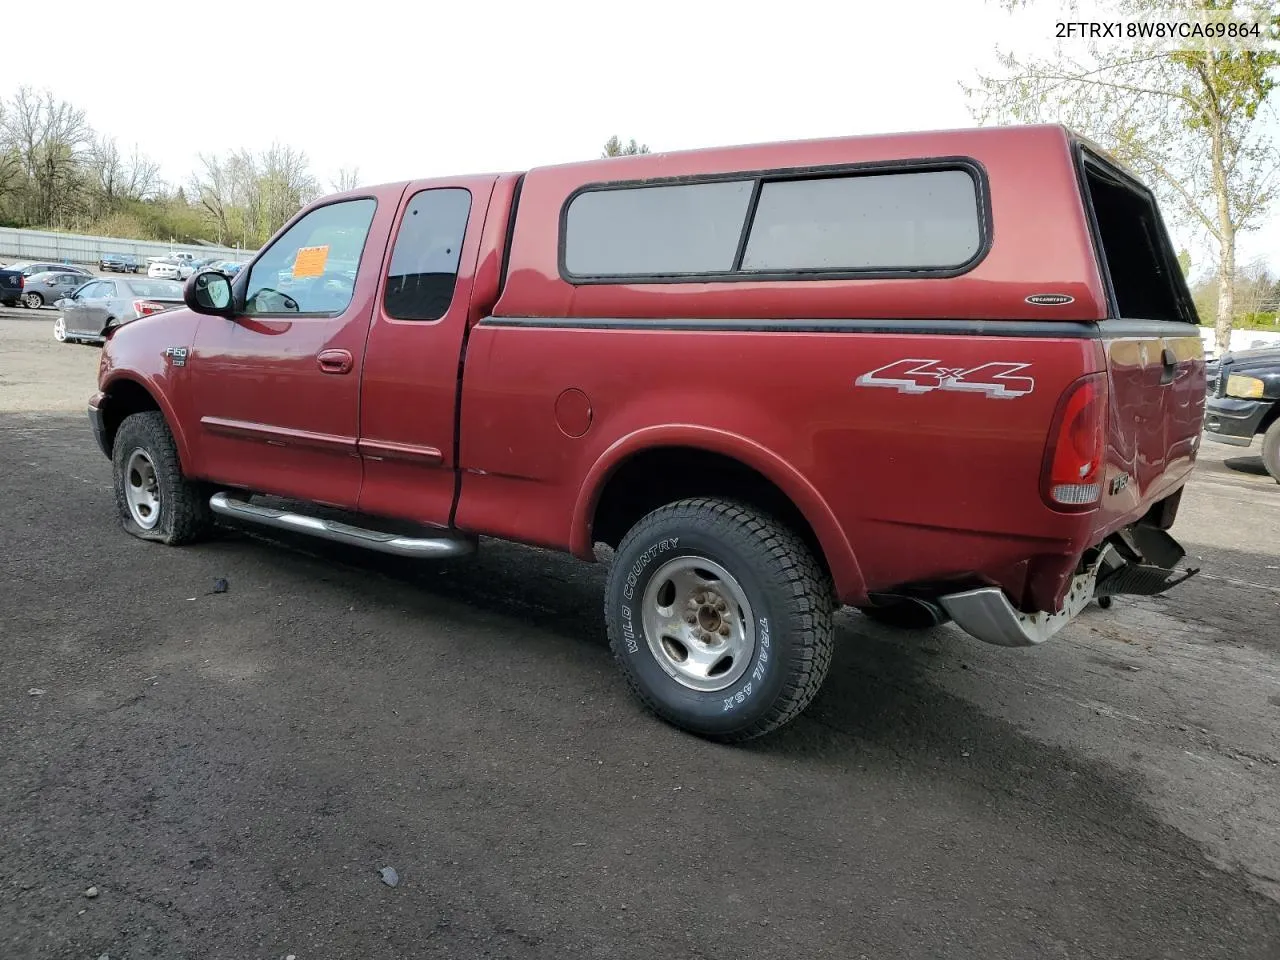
column 230, row 771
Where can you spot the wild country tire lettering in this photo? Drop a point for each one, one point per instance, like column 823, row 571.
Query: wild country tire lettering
column 629, row 588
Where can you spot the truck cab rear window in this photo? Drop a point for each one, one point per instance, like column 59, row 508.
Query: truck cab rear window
column 923, row 220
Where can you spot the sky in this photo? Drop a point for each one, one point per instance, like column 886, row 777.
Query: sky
column 420, row 89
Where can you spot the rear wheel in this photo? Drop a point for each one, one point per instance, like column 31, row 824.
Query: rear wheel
column 720, row 618
column 154, row 500
column 1271, row 450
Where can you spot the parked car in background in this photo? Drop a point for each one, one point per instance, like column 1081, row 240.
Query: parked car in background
column 229, row 267
column 188, row 267
column 11, row 284
column 29, row 268
column 172, row 255
column 1244, row 402
column 119, row 263
column 99, row 305
column 164, row 270
column 50, row 287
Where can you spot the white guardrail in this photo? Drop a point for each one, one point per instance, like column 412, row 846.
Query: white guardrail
column 79, row 248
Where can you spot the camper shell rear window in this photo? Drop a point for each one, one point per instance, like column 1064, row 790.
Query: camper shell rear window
column 1139, row 267
column 915, row 218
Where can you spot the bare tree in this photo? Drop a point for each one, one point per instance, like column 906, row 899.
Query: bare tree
column 348, row 178
column 285, row 184
column 46, row 138
column 614, row 147
column 212, row 186
column 1189, row 121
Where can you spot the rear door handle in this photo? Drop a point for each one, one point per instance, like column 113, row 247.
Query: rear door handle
column 334, row 361
column 1170, row 361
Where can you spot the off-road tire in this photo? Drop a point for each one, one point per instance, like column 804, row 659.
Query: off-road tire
column 1271, row 450
column 791, row 599
column 184, row 510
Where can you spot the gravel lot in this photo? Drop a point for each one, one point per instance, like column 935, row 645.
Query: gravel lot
column 230, row 771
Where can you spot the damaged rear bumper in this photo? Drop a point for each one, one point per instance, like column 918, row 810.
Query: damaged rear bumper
column 1139, row 560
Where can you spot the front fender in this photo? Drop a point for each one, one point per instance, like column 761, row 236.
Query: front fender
column 137, row 356
column 837, row 550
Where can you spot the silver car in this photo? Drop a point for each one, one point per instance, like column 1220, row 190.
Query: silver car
column 50, row 287
column 100, row 304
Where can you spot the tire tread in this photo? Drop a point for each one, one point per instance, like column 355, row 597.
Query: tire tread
column 188, row 515
column 811, row 599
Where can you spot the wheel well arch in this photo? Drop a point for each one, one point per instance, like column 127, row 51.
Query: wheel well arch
column 648, row 478
column 127, row 397
column 1270, row 417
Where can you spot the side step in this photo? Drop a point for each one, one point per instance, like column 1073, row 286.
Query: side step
column 434, row 548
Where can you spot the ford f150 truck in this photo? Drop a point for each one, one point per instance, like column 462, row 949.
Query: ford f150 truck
column 948, row 376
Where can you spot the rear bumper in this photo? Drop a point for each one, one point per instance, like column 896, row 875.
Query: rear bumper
column 1138, row 560
column 1231, row 421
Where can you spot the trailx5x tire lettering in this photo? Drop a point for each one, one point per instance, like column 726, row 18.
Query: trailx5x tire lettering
column 153, row 498
column 720, row 618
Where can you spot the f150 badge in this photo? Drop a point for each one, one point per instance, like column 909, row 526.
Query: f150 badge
column 996, row 381
column 177, row 355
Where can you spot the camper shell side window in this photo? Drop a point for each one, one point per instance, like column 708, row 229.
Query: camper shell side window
column 920, row 218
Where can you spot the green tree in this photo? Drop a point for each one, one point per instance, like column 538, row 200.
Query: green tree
column 614, row 147
column 1188, row 121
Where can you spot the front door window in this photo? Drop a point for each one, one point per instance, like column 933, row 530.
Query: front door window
column 312, row 268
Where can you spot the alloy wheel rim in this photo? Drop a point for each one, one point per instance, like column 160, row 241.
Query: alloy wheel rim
column 142, row 489
column 698, row 624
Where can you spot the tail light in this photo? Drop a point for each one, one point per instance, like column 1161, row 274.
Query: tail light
column 147, row 307
column 22, row 282
column 1074, row 458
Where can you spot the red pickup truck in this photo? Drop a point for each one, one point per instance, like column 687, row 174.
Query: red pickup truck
column 948, row 376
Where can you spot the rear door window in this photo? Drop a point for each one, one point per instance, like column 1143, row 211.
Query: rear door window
column 424, row 262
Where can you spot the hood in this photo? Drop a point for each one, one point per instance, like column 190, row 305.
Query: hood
column 1263, row 358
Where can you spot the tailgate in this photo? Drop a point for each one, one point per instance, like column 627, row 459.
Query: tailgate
column 1152, row 348
column 10, row 280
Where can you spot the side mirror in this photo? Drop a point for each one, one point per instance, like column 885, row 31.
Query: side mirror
column 208, row 291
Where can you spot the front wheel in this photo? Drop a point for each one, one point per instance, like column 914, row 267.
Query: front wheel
column 1271, row 450
column 33, row 301
column 154, row 500
column 720, row 618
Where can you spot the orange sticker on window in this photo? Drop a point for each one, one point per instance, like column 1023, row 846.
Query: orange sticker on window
column 310, row 261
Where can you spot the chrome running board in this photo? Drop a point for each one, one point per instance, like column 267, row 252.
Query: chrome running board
column 433, row 548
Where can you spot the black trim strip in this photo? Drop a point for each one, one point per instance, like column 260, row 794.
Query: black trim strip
column 975, row 170
column 1061, row 329
column 510, row 233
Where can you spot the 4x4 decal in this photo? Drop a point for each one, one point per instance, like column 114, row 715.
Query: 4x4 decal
column 994, row 380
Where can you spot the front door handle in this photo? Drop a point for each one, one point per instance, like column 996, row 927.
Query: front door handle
column 1169, row 361
column 334, row 361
